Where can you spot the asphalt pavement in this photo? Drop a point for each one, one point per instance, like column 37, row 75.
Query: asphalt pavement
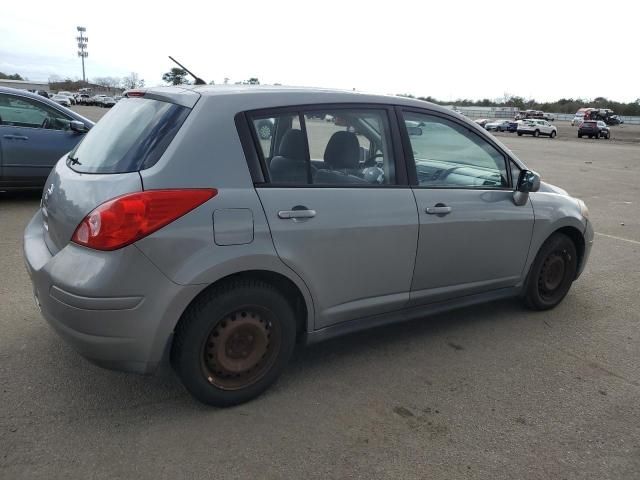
column 488, row 392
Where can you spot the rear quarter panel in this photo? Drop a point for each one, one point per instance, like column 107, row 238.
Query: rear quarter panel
column 207, row 153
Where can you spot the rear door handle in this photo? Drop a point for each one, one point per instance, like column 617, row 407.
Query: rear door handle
column 438, row 209
column 286, row 214
column 15, row 137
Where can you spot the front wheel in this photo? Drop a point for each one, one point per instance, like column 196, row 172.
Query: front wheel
column 233, row 342
column 519, row 134
column 552, row 273
column 553, row 134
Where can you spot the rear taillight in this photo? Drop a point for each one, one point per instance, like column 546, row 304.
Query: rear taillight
column 123, row 220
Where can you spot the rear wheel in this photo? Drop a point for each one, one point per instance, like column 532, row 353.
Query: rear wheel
column 552, row 273
column 519, row 134
column 233, row 342
column 579, row 135
column 536, row 133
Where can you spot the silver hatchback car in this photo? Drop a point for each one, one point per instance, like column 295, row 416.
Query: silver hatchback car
column 182, row 228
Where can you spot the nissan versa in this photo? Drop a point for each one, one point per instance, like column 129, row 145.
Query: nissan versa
column 176, row 230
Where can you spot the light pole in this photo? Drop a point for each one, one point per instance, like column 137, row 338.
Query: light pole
column 82, row 49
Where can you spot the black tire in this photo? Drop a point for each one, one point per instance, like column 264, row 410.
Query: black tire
column 536, row 133
column 579, row 135
column 519, row 134
column 256, row 326
column 552, row 273
column 553, row 134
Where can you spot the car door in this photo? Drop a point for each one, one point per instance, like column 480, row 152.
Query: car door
column 33, row 136
column 340, row 211
column 473, row 237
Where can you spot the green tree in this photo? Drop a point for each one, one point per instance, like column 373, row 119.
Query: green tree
column 14, row 76
column 175, row 76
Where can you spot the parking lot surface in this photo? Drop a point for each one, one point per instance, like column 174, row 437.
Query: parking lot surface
column 494, row 391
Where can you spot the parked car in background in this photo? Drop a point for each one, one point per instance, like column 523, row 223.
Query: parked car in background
column 144, row 246
column 107, row 102
column 549, row 117
column 578, row 117
column 502, row 126
column 594, row 129
column 536, row 128
column 34, row 133
column 614, row 120
column 69, row 95
column 84, row 99
column 97, row 100
column 117, row 98
column 62, row 100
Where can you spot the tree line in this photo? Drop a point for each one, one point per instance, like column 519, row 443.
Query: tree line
column 564, row 105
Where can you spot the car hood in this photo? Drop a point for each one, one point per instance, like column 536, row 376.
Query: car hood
column 548, row 188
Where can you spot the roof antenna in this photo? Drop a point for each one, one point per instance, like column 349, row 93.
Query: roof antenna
column 198, row 80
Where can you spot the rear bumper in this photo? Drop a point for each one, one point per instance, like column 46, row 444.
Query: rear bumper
column 115, row 308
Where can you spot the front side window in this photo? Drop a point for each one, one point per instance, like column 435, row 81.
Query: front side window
column 448, row 155
column 326, row 147
column 25, row 112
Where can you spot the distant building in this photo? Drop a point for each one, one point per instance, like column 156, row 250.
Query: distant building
column 25, row 84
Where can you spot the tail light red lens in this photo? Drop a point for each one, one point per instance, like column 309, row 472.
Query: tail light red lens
column 126, row 219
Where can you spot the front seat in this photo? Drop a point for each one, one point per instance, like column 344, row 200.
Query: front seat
column 290, row 165
column 342, row 155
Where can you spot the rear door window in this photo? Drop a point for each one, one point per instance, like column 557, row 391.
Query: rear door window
column 131, row 137
column 326, row 147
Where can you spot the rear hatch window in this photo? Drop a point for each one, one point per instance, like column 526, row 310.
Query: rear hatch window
column 131, row 137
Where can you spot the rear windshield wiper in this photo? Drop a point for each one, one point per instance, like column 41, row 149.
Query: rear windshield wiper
column 74, row 161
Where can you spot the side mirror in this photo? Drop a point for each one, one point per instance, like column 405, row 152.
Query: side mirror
column 78, row 127
column 528, row 181
column 414, row 131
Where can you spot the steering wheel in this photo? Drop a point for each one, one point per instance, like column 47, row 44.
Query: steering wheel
column 371, row 161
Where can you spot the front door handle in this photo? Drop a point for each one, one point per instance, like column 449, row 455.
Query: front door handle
column 15, row 137
column 438, row 209
column 286, row 214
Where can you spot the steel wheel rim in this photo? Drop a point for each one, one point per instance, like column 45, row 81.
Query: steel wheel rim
column 553, row 272
column 241, row 348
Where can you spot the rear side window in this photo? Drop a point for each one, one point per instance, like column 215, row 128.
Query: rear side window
column 131, row 137
column 329, row 147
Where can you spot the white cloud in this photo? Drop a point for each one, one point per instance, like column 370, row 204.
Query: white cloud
column 448, row 50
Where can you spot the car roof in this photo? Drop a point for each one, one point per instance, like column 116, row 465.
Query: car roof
column 267, row 96
column 50, row 103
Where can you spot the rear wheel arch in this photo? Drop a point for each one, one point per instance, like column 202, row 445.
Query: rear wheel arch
column 281, row 283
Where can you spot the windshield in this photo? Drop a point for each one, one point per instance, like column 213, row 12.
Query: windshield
column 131, row 137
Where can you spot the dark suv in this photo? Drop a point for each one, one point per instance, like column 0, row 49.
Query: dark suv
column 594, row 129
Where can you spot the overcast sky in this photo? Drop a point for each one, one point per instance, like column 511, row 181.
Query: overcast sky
column 447, row 49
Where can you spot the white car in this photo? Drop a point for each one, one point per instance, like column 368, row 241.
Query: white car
column 536, row 128
column 107, row 102
column 97, row 100
column 577, row 119
column 70, row 96
column 62, row 100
